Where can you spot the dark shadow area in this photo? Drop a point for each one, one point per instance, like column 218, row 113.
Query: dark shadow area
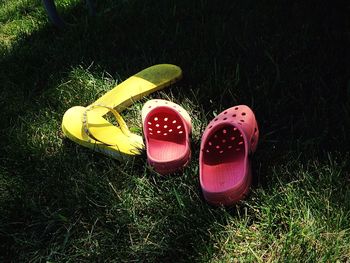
column 290, row 58
column 70, row 196
column 288, row 61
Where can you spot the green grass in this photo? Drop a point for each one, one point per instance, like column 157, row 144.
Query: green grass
column 60, row 202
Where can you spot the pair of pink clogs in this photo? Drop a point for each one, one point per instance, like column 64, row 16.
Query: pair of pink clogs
column 226, row 146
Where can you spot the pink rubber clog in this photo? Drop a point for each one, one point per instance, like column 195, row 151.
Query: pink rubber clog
column 224, row 163
column 166, row 127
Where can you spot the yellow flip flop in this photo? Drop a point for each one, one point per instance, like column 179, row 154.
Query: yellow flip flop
column 138, row 86
column 87, row 127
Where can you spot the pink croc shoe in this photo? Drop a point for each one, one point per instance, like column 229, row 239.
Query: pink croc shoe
column 166, row 128
column 224, row 163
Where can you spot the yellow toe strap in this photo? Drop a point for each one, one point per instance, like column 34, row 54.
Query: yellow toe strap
column 105, row 133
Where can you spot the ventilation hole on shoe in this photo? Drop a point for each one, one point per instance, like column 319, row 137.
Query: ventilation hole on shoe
column 230, row 146
column 236, row 108
column 224, row 131
column 223, row 140
column 240, row 143
column 225, row 119
column 216, row 119
column 174, row 121
column 235, row 129
column 165, row 126
column 210, row 143
column 157, row 125
column 221, row 151
column 150, row 129
column 225, row 112
column 238, row 149
column 207, row 150
column 180, row 132
column 178, row 127
column 156, row 118
column 217, row 146
column 210, row 126
column 170, row 130
column 158, row 132
column 215, row 136
column 166, row 119
column 149, row 123
column 241, row 120
column 232, row 138
column 243, row 113
column 241, row 135
column 234, row 115
column 151, row 133
column 165, row 134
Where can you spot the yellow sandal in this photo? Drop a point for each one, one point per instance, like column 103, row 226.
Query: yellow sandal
column 138, row 86
column 87, row 127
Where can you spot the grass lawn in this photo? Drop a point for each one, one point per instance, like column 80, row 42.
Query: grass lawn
column 60, row 202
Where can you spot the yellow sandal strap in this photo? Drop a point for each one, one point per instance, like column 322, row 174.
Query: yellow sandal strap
column 124, row 128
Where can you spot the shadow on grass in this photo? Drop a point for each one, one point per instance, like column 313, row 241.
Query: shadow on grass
column 55, row 207
column 284, row 60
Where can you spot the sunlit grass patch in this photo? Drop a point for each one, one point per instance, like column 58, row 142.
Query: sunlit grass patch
column 302, row 219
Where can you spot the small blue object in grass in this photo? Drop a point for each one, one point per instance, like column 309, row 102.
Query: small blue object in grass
column 54, row 17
